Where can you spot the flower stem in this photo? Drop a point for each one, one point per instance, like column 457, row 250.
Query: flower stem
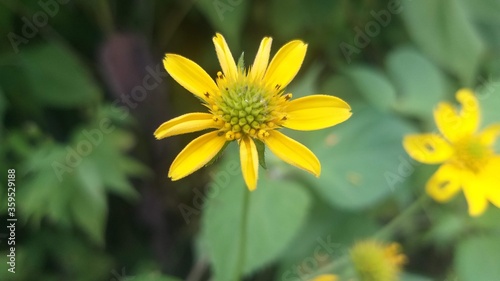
column 389, row 229
column 241, row 260
column 384, row 233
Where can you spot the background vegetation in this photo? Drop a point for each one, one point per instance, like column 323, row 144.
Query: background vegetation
column 82, row 90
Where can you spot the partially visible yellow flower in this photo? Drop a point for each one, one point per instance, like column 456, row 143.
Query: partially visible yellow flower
column 375, row 261
column 325, row 277
column 248, row 105
column 469, row 162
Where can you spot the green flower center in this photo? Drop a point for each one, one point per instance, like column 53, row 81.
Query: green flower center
column 472, row 154
column 247, row 109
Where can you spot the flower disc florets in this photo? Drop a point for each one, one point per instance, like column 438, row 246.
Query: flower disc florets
column 248, row 108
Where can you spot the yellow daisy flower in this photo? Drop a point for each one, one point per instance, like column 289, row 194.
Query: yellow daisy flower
column 248, row 106
column 468, row 159
column 325, row 277
column 375, row 261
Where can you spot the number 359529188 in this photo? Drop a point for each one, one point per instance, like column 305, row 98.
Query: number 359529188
column 11, row 183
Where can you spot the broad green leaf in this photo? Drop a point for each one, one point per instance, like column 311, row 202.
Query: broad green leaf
column 276, row 210
column 476, row 258
column 57, row 77
column 446, row 35
column 362, row 160
column 420, row 84
column 373, row 85
column 227, row 17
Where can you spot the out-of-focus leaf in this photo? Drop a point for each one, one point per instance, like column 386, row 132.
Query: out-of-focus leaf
column 68, row 184
column 373, row 85
column 362, row 160
column 305, row 85
column 420, row 84
column 332, row 240
column 446, row 35
column 413, row 277
column 151, row 277
column 488, row 95
column 227, row 17
column 485, row 11
column 90, row 207
column 446, row 229
column 290, row 12
column 476, row 258
column 341, row 86
column 3, row 106
column 275, row 212
column 484, row 16
column 57, row 77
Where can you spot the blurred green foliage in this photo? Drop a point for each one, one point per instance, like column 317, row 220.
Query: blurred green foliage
column 93, row 201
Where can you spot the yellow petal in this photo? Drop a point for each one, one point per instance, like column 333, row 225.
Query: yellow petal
column 325, row 277
column 293, row 152
column 285, row 64
column 316, row 112
column 475, row 195
column 261, row 59
column 196, row 154
column 249, row 162
column 427, row 148
column 492, row 181
column 225, row 57
column 490, row 134
column 445, row 183
column 186, row 123
column 190, row 76
column 454, row 125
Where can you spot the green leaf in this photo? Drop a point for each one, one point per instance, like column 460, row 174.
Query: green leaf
column 290, row 12
column 261, row 150
column 362, row 160
column 57, row 77
column 227, row 17
column 420, row 84
column 488, row 95
column 446, row 35
column 151, row 277
column 373, row 85
column 476, row 258
column 3, row 107
column 413, row 277
column 276, row 210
